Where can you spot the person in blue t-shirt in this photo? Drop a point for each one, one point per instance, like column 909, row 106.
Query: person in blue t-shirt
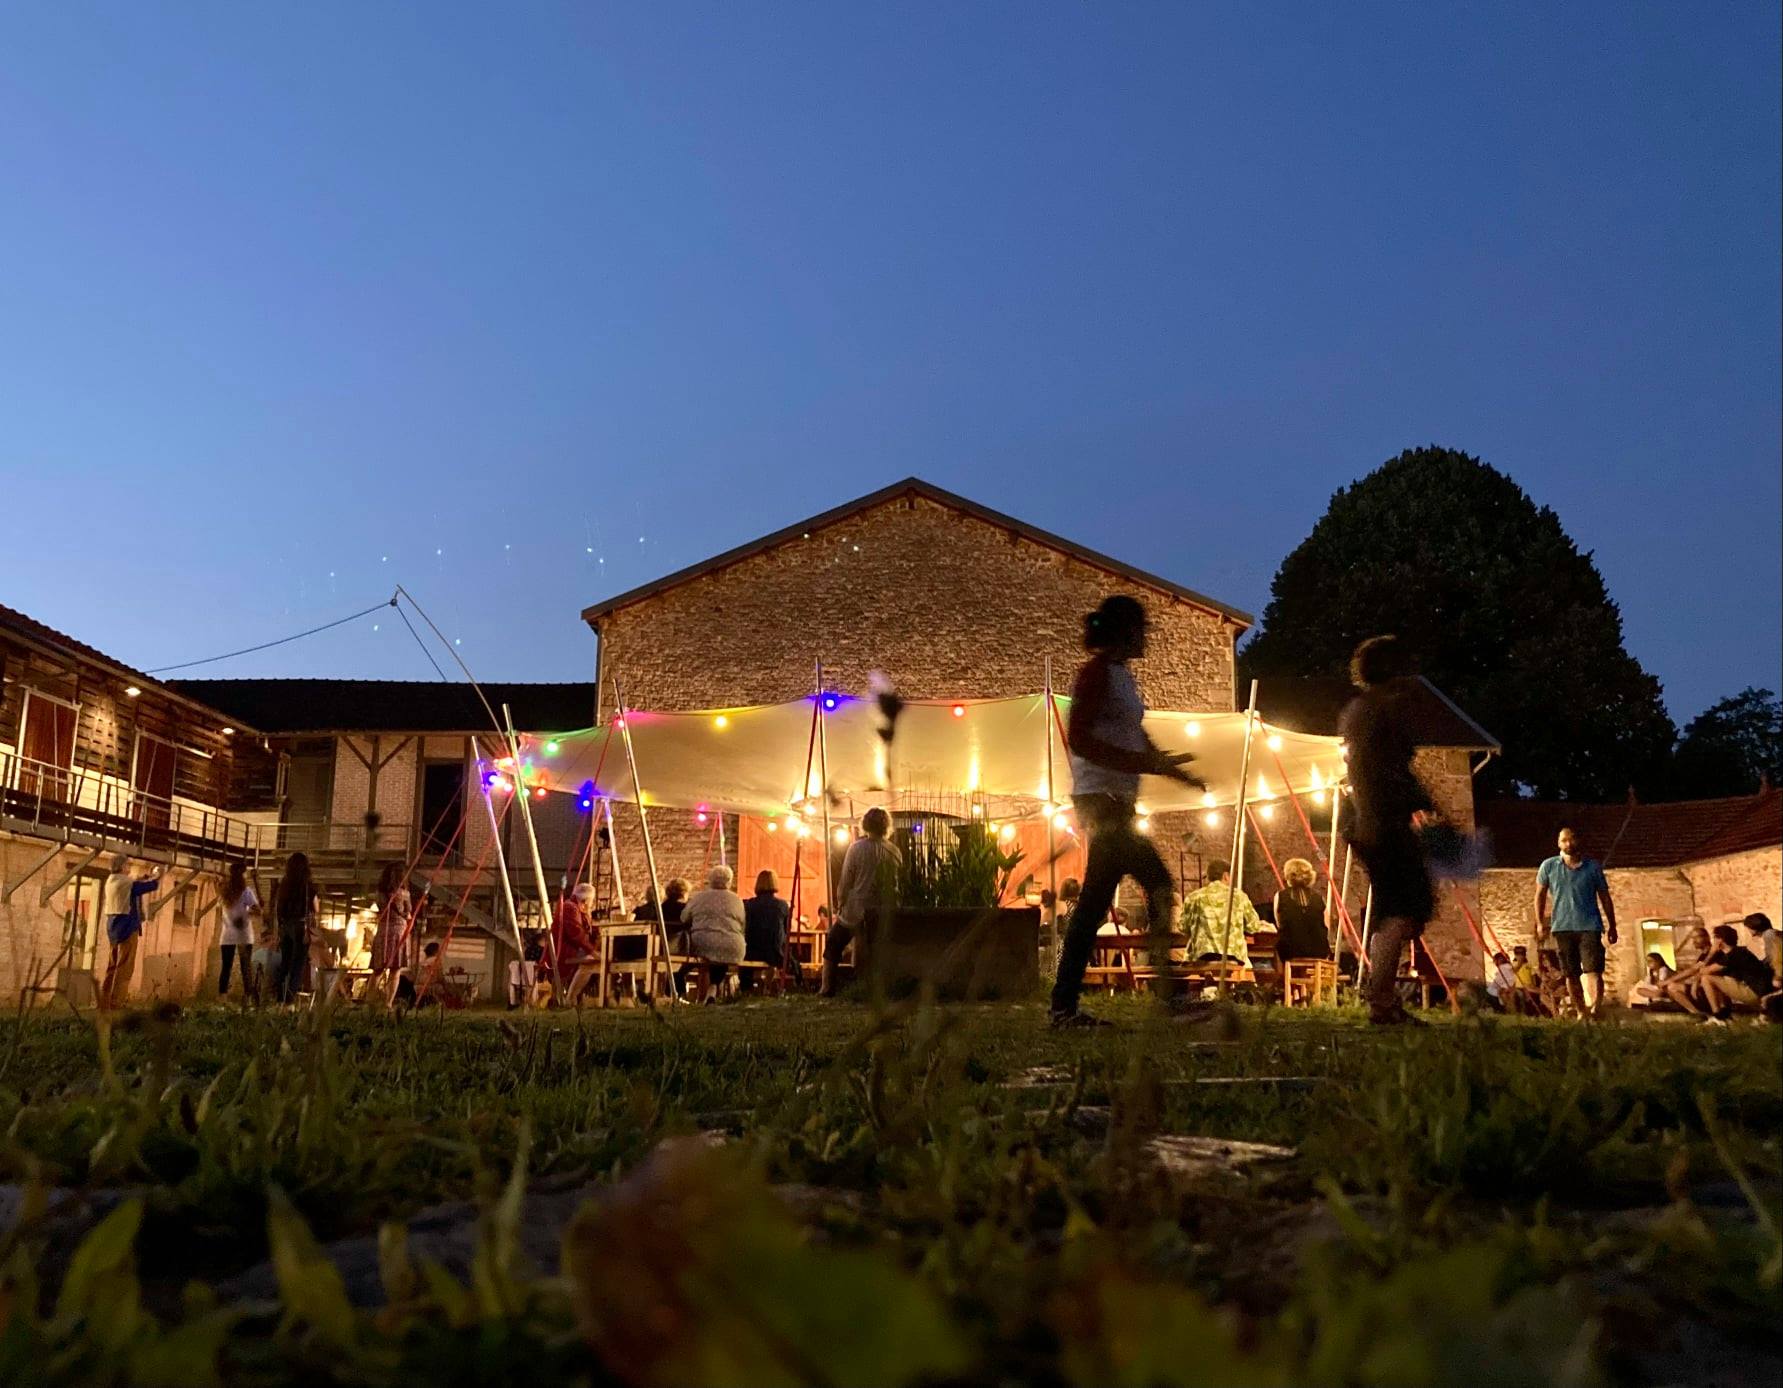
column 1572, row 903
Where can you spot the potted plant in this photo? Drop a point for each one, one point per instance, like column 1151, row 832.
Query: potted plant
column 949, row 929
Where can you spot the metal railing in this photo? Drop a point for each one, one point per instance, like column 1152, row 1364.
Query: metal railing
column 75, row 803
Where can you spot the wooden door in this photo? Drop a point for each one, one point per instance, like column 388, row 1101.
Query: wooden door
column 151, row 781
column 46, row 745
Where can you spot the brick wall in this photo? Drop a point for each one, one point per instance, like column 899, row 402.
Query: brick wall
column 948, row 605
column 1739, row 884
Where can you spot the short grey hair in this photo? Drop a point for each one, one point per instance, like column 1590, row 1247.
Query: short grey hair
column 583, row 892
column 720, row 877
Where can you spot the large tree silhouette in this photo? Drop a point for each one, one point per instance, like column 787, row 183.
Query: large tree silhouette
column 1502, row 610
column 1732, row 747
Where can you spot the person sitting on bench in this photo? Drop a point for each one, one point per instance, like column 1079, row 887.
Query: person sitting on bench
column 765, row 919
column 715, row 926
column 1204, row 916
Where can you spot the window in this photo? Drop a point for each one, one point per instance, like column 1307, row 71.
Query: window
column 442, row 811
column 46, row 744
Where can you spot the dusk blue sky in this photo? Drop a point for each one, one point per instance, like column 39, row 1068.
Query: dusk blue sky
column 543, row 301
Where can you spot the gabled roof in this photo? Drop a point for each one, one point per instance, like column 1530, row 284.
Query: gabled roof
column 1633, row 834
column 394, row 706
column 46, row 638
column 1313, row 703
column 913, row 486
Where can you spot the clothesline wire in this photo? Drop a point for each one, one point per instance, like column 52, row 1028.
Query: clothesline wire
column 268, row 645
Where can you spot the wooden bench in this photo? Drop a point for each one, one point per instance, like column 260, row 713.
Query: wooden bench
column 699, row 972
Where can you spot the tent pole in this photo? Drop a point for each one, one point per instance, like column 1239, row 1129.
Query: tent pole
column 501, row 857
column 637, row 787
column 1343, row 892
column 1367, row 927
column 538, row 863
column 1238, row 813
column 1052, row 849
column 613, row 856
column 1331, row 872
column 823, row 771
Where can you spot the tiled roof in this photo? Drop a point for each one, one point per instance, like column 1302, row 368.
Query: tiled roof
column 912, row 486
column 1634, row 835
column 1312, row 704
column 34, row 632
column 408, row 706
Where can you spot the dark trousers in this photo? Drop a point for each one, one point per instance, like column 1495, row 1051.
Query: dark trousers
column 229, row 952
column 294, row 954
column 1117, row 850
column 836, row 942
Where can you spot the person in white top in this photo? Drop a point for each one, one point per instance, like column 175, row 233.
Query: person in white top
column 868, row 888
column 240, row 906
column 1109, row 752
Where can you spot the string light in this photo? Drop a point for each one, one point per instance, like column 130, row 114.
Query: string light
column 721, row 722
column 959, row 710
column 539, row 794
column 1006, row 833
column 1266, row 812
column 1318, row 797
column 1143, row 824
column 1211, row 819
column 1209, row 799
column 700, row 818
column 830, row 701
column 553, row 747
column 1275, row 743
column 1192, row 728
column 842, row 835
column 773, row 826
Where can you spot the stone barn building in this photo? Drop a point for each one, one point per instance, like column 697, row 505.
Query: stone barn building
column 1670, row 866
column 948, row 598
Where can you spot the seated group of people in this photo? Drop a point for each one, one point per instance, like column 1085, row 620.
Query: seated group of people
column 714, row 925
column 1722, row 976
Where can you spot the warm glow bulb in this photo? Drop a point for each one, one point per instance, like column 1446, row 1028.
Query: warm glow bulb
column 721, row 722
column 1143, row 824
column 841, row 836
column 131, row 691
column 1267, row 812
column 1007, row 832
column 1318, row 797
column 959, row 710
column 1211, row 819
column 773, row 826
column 1275, row 743
column 1209, row 799
column 1192, row 728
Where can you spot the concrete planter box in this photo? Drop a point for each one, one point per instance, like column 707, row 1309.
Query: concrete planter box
column 963, row 954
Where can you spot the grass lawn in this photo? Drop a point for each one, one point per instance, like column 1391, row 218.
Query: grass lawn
column 804, row 1192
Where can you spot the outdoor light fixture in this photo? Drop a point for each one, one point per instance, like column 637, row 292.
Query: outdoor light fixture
column 1211, row 819
column 1275, row 742
column 228, row 732
column 553, row 747
column 1209, row 799
column 1192, row 728
column 1266, row 812
column 830, row 701
column 841, row 836
column 721, row 722
column 1007, row 832
column 959, row 710
column 1318, row 797
column 1143, row 824
column 700, row 818
column 589, row 805
column 131, row 691
column 773, row 826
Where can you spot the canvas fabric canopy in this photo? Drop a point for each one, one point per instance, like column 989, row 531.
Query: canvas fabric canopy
column 993, row 751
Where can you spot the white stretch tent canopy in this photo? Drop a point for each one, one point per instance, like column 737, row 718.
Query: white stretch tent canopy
column 754, row 760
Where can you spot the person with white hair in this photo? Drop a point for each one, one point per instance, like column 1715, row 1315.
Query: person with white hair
column 715, row 923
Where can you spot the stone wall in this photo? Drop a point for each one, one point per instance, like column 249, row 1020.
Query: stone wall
column 946, row 604
column 1735, row 886
column 178, row 953
column 1508, row 899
